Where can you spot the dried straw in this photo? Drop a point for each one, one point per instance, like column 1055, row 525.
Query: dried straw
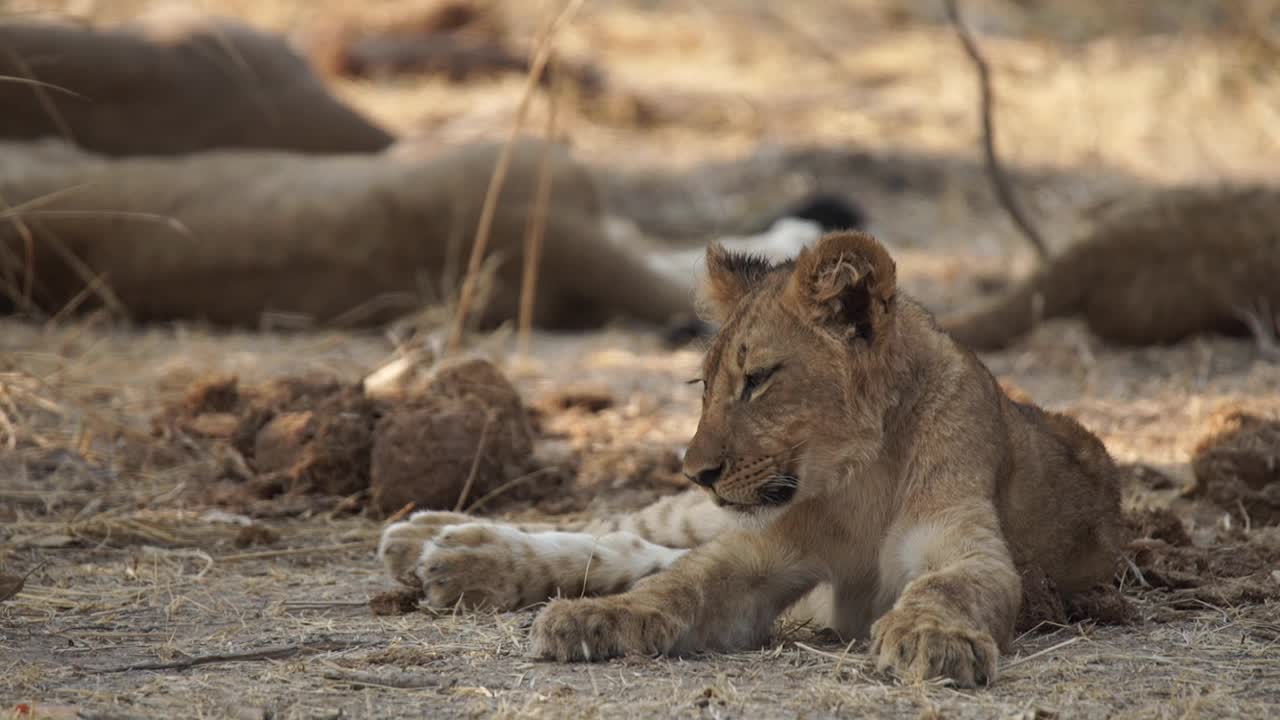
column 496, row 181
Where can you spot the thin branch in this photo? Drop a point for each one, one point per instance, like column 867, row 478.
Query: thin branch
column 1004, row 193
column 276, row 652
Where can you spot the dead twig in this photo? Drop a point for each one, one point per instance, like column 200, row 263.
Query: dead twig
column 475, row 465
column 400, row 514
column 1015, row 663
column 275, row 652
column 398, row 681
column 473, row 507
column 286, row 552
column 999, row 181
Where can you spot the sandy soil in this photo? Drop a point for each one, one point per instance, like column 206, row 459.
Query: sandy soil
column 142, row 603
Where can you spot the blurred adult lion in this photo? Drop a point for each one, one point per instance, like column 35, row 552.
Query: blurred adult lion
column 170, row 82
column 1156, row 268
column 226, row 236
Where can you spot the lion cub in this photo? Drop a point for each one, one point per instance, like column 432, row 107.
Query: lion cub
column 844, row 441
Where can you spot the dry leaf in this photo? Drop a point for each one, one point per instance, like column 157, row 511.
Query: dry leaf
column 10, row 585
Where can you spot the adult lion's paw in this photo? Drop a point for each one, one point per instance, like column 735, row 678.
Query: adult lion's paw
column 920, row 645
column 600, row 628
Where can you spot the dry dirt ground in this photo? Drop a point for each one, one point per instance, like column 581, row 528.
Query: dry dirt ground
column 147, row 600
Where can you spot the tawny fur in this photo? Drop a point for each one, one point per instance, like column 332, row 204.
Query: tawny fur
column 460, row 40
column 227, row 236
column 172, row 81
column 1167, row 266
column 848, row 443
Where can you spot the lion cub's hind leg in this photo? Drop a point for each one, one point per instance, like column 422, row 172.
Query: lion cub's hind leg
column 477, row 563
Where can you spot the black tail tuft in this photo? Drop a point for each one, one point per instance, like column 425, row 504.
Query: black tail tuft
column 830, row 211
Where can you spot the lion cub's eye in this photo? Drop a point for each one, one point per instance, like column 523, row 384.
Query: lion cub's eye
column 755, row 379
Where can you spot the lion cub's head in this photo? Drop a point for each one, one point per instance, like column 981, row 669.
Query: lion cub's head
column 796, row 383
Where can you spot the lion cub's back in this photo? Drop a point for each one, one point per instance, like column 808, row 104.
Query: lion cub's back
column 1060, row 505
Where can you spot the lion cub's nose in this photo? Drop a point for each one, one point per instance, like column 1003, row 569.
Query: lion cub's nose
column 707, row 476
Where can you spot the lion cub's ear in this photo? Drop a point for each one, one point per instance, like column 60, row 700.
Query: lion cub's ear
column 730, row 277
column 845, row 283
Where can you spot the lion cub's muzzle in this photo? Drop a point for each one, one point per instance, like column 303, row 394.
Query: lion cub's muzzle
column 752, row 482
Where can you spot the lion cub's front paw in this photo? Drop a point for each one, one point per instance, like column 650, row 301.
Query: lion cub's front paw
column 601, row 628
column 481, row 565
column 920, row 645
column 403, row 543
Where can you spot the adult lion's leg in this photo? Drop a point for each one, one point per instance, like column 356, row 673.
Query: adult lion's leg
column 723, row 595
column 959, row 596
column 612, row 279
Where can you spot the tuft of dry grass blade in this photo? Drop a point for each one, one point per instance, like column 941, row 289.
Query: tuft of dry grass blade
column 28, row 213
column 41, row 90
column 481, row 242
column 38, row 83
column 538, row 221
column 475, row 465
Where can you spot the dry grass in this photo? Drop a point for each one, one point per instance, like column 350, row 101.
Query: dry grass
column 541, row 57
column 139, row 572
column 138, row 575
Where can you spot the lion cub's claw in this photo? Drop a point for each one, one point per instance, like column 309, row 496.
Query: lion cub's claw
column 594, row 629
column 918, row 645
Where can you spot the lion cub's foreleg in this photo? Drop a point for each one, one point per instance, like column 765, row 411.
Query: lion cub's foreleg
column 722, row 595
column 457, row 559
column 957, row 596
